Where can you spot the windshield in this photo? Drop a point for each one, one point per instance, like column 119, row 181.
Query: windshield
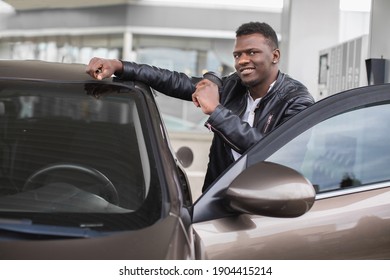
column 70, row 158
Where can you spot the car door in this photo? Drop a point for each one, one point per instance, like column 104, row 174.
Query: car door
column 342, row 146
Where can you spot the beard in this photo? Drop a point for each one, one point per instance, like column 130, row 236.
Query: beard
column 249, row 83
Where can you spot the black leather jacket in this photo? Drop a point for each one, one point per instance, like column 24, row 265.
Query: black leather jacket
column 286, row 98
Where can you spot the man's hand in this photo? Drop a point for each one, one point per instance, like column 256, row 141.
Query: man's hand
column 206, row 96
column 100, row 68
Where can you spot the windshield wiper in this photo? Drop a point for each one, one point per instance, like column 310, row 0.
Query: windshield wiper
column 25, row 226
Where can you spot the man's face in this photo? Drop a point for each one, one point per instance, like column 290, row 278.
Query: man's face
column 255, row 60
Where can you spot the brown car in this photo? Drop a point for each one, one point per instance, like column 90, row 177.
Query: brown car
column 87, row 172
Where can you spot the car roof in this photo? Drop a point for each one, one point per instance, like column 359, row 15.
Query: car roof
column 37, row 69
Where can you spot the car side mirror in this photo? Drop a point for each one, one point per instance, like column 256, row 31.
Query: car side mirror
column 270, row 189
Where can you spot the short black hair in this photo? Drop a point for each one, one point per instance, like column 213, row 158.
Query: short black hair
column 259, row 27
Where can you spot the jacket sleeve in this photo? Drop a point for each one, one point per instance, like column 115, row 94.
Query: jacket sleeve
column 239, row 135
column 236, row 133
column 168, row 82
column 296, row 105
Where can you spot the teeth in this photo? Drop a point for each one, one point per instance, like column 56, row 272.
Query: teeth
column 247, row 71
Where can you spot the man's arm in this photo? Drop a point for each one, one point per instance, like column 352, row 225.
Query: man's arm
column 171, row 83
column 239, row 135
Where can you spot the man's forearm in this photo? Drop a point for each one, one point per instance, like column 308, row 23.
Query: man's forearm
column 171, row 83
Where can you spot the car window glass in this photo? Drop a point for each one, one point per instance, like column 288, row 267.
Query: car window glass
column 64, row 151
column 347, row 150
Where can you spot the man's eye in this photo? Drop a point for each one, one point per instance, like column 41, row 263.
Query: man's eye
column 252, row 53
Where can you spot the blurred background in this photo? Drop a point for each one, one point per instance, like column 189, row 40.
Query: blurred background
column 324, row 44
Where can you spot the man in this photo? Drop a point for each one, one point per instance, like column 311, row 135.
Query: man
column 250, row 103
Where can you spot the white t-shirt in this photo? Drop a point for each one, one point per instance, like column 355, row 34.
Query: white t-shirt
column 249, row 115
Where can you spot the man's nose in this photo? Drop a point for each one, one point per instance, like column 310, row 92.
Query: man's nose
column 244, row 59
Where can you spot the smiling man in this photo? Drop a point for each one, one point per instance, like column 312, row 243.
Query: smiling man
column 250, row 103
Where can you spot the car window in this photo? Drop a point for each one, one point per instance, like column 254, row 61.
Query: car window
column 64, row 151
column 347, row 150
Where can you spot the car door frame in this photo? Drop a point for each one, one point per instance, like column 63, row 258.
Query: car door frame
column 209, row 209
column 211, row 199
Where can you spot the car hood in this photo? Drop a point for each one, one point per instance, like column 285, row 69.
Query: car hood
column 140, row 244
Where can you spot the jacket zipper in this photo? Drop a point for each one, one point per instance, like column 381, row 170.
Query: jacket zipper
column 213, row 129
column 268, row 123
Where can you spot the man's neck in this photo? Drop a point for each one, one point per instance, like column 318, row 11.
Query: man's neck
column 260, row 90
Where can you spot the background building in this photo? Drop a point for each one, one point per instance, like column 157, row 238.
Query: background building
column 324, row 44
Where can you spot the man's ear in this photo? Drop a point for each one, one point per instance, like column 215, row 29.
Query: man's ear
column 276, row 55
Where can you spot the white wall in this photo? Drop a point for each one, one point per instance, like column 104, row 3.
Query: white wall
column 379, row 33
column 313, row 25
column 310, row 26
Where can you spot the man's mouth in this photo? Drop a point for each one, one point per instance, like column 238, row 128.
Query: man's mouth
column 247, row 71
